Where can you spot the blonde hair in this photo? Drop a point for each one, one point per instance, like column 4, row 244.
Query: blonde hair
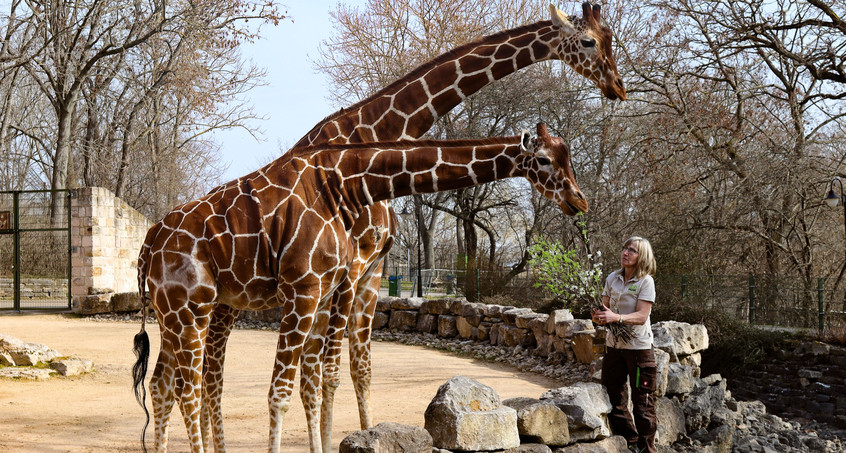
column 645, row 258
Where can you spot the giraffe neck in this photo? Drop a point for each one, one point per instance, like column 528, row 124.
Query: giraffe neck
column 407, row 108
column 356, row 176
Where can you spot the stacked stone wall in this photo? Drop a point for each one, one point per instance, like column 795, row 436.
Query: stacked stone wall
column 807, row 381
column 35, row 288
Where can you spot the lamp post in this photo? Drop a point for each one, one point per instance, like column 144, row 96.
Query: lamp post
column 405, row 214
column 831, row 199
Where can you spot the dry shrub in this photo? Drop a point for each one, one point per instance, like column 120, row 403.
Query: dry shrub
column 734, row 346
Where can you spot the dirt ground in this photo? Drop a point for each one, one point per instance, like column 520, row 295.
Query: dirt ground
column 98, row 412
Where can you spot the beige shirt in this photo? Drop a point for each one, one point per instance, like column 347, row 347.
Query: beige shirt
column 622, row 299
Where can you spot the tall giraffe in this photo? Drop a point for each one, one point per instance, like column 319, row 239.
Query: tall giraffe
column 281, row 237
column 407, row 109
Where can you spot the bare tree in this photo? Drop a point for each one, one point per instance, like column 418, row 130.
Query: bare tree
column 102, row 67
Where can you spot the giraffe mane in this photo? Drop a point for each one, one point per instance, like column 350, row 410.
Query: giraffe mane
column 405, row 144
column 425, row 67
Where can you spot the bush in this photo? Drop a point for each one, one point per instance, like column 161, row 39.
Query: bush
column 734, row 346
column 575, row 281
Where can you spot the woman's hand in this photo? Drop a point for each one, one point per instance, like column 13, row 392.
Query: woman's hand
column 604, row 316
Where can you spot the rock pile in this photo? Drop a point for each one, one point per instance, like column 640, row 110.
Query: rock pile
column 466, row 416
column 20, row 360
column 696, row 414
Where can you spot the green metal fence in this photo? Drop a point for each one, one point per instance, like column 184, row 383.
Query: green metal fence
column 769, row 300
column 778, row 301
column 35, row 256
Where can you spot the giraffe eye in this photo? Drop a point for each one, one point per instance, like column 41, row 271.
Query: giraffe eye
column 543, row 161
column 588, row 42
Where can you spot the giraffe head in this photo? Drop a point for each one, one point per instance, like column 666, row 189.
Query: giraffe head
column 547, row 166
column 586, row 47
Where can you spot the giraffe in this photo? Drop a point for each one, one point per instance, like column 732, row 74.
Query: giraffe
column 407, row 109
column 281, row 238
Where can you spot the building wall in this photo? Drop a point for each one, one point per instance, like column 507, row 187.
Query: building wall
column 106, row 236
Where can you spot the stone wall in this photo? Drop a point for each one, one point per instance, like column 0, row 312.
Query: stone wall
column 35, row 288
column 695, row 413
column 807, row 381
column 106, row 235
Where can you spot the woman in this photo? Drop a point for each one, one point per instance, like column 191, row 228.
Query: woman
column 627, row 299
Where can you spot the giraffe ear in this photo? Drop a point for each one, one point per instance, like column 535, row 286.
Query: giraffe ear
column 561, row 20
column 525, row 140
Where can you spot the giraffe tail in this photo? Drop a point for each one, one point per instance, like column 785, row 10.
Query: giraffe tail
column 141, row 343
column 139, row 372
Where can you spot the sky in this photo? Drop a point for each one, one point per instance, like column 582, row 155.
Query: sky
column 295, row 96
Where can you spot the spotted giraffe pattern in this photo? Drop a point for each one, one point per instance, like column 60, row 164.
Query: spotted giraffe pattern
column 292, row 219
column 406, row 109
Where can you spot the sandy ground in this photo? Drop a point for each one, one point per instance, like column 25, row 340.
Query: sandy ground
column 98, row 412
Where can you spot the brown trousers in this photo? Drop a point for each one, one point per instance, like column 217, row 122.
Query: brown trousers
column 638, row 368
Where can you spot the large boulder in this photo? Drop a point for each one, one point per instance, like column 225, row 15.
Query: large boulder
column 708, row 396
column 540, row 421
column 465, row 328
column 583, row 345
column 671, row 425
column 525, row 320
column 388, row 437
column 435, row 307
column 72, row 367
column 407, row 303
column 380, row 320
column 510, row 316
column 566, row 329
column 680, row 338
column 403, row 320
column 557, row 317
column 447, row 327
column 515, row 336
column 680, row 379
column 427, row 323
column 469, row 416
column 92, row 304
column 124, row 302
column 29, row 354
column 587, row 406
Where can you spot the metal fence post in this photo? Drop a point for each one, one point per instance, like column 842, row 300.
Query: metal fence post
column 820, row 303
column 684, row 286
column 478, row 281
column 69, row 198
column 751, row 299
column 16, row 250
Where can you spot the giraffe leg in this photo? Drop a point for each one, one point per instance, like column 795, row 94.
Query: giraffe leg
column 189, row 388
column 310, row 376
column 360, row 323
column 339, row 311
column 182, row 291
column 293, row 329
column 222, row 320
column 162, row 384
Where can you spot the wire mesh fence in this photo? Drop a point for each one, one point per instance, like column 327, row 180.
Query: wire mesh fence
column 34, row 250
column 767, row 300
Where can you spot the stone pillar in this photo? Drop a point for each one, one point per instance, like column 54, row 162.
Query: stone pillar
column 106, row 235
